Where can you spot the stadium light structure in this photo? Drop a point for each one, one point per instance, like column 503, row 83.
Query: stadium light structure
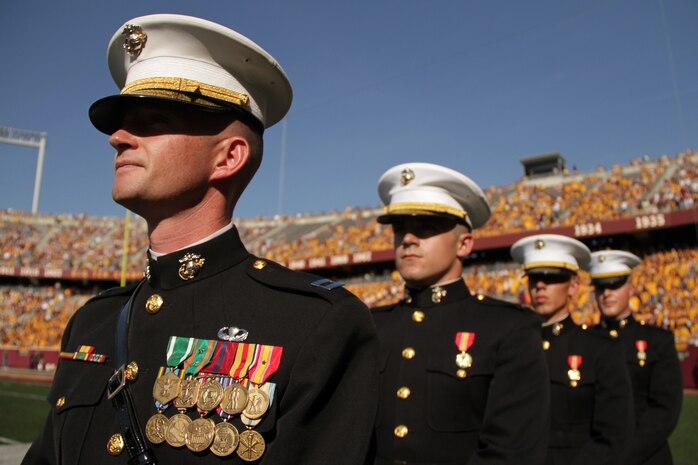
column 28, row 139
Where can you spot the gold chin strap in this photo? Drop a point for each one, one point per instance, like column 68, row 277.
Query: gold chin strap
column 551, row 264
column 186, row 90
column 426, row 208
column 610, row 274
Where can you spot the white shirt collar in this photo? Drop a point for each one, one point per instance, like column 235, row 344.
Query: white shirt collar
column 155, row 255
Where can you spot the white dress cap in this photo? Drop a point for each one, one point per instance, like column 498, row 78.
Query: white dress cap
column 429, row 189
column 551, row 251
column 195, row 61
column 612, row 264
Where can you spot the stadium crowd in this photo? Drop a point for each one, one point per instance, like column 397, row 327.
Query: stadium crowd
column 94, row 243
column 666, row 280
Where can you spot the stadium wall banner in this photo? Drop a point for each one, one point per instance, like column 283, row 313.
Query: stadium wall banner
column 581, row 230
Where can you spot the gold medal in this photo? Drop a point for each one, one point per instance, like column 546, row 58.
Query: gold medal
column 188, row 394
column 225, row 439
column 464, row 360
column 156, row 428
column 166, row 388
column 251, row 445
column 234, row 399
column 257, row 404
column 199, row 434
column 574, row 361
column 177, row 430
column 210, row 395
column 575, row 376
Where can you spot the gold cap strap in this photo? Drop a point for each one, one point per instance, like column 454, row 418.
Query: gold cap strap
column 423, row 207
column 185, row 90
column 611, row 274
column 565, row 265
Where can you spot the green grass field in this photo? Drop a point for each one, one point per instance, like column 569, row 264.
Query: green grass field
column 24, row 409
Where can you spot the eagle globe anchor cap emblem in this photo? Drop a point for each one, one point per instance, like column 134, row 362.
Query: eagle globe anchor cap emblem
column 134, row 40
column 191, row 263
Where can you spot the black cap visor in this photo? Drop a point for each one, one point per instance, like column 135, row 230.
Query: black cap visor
column 390, row 218
column 107, row 114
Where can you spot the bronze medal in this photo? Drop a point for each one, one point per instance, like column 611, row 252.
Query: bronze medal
column 464, row 360
column 166, row 388
column 225, row 439
column 210, row 395
column 188, row 394
column 199, row 434
column 575, row 376
column 257, row 404
column 156, row 428
column 177, row 430
column 251, row 446
column 234, row 399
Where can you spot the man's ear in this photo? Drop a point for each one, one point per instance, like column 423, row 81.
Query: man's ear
column 233, row 156
column 574, row 286
column 465, row 244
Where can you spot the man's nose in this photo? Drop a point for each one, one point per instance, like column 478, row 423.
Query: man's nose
column 122, row 139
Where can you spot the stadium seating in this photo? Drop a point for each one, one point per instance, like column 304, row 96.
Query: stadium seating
column 34, row 315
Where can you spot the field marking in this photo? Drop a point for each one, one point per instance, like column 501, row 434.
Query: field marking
column 22, row 395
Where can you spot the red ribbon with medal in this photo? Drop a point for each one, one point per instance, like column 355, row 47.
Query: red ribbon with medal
column 463, row 359
column 574, row 362
column 641, row 347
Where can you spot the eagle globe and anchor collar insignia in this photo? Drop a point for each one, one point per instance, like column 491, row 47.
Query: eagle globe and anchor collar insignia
column 191, row 264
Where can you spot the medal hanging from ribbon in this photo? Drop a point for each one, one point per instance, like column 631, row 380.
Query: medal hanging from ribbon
column 200, row 354
column 166, row 388
column 574, row 362
column 463, row 359
column 641, row 347
column 260, row 399
column 228, row 378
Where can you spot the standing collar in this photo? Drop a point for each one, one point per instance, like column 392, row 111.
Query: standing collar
column 613, row 324
column 561, row 327
column 437, row 295
column 197, row 261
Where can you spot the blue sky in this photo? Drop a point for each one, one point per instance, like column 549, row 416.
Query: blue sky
column 471, row 84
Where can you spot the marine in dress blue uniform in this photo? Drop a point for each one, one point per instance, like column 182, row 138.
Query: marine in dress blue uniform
column 187, row 128
column 463, row 377
column 591, row 397
column 650, row 355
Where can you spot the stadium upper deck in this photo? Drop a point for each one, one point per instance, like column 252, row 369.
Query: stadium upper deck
column 643, row 194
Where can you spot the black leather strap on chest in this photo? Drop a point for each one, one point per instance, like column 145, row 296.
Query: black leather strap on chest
column 117, row 390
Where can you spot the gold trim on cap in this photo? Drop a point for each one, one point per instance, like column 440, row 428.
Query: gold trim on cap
column 424, row 207
column 611, row 274
column 565, row 265
column 181, row 89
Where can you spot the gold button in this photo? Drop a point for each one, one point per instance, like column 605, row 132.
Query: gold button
column 259, row 264
column 546, row 345
column 408, row 353
column 480, row 297
column 60, row 402
column 418, row 316
column 131, row 372
column 404, row 392
column 613, row 333
column 154, row 304
column 461, row 373
column 401, row 431
column 584, row 326
column 115, row 444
